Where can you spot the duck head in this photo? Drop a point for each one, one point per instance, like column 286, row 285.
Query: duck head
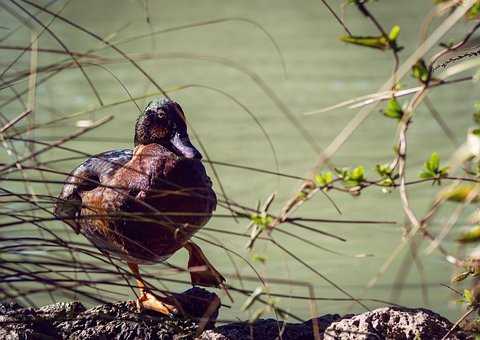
column 163, row 122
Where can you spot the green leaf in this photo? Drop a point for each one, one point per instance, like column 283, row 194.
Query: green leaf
column 394, row 32
column 393, row 109
column 384, row 170
column 472, row 235
column 388, row 177
column 468, row 296
column 387, row 182
column 351, row 178
column 432, row 169
column 426, row 174
column 328, row 177
column 420, row 71
column 380, row 42
column 342, row 172
column 358, row 174
column 433, row 163
column 261, row 220
column 324, row 179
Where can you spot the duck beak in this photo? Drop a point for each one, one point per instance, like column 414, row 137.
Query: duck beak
column 181, row 142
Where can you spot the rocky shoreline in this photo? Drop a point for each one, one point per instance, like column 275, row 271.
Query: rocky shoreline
column 71, row 320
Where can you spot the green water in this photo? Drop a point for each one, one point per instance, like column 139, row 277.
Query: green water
column 321, row 71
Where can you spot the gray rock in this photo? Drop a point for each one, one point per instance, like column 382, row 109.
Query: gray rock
column 392, row 323
column 269, row 329
column 72, row 321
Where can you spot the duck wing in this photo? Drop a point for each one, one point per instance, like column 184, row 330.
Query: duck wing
column 92, row 173
column 166, row 198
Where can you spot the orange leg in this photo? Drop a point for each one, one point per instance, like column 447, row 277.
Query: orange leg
column 202, row 272
column 148, row 300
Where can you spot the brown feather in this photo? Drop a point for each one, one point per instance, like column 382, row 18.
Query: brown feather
column 173, row 195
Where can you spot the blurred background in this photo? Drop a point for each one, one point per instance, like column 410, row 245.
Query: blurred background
column 256, row 53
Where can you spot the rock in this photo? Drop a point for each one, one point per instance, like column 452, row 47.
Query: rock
column 70, row 320
column 196, row 301
column 269, row 329
column 383, row 323
column 392, row 323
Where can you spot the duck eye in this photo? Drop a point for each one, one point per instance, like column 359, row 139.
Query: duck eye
column 162, row 120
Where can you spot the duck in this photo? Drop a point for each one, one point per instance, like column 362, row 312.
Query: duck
column 143, row 205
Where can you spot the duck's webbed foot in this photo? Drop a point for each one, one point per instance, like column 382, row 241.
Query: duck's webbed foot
column 148, row 300
column 158, row 304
